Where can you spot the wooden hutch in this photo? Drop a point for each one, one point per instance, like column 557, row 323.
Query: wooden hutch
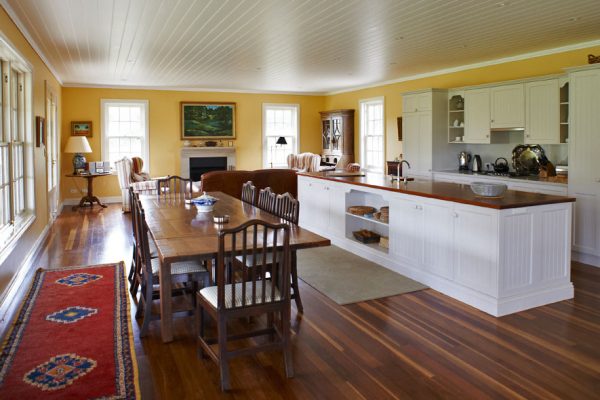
column 337, row 130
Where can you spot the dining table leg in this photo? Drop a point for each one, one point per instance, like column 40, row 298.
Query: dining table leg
column 166, row 305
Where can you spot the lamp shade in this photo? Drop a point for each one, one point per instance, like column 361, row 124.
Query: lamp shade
column 281, row 140
column 78, row 144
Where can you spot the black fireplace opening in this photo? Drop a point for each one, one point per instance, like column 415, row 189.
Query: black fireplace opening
column 200, row 165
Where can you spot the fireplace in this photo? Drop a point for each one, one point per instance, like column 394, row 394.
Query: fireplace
column 200, row 165
column 205, row 159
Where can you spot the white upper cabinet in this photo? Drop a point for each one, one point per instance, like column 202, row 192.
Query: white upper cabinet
column 417, row 103
column 542, row 112
column 477, row 116
column 508, row 106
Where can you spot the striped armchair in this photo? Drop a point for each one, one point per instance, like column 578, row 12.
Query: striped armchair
column 123, row 167
column 304, row 162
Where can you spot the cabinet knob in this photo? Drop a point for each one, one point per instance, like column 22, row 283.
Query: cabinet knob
column 416, row 109
column 418, row 207
column 527, row 136
column 455, row 214
column 492, row 121
column 487, row 136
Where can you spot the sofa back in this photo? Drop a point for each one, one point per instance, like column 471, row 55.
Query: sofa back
column 230, row 182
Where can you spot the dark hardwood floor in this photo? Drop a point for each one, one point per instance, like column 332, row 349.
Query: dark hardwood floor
column 421, row 345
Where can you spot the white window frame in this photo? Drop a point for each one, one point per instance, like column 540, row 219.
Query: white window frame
column 104, row 117
column 295, row 140
column 20, row 145
column 363, row 133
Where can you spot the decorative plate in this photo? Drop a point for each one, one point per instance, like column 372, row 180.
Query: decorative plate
column 526, row 159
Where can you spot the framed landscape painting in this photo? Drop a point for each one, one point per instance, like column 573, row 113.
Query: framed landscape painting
column 207, row 120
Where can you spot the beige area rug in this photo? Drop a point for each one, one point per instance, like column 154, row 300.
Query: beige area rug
column 346, row 278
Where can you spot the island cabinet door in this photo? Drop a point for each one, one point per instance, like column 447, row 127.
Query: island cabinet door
column 314, row 204
column 475, row 244
column 406, row 231
column 438, row 235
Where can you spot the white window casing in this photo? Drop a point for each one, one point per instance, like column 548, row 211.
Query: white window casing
column 372, row 134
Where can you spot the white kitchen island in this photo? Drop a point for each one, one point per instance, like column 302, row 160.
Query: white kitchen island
column 500, row 255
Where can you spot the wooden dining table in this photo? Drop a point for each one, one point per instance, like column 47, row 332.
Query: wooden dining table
column 182, row 233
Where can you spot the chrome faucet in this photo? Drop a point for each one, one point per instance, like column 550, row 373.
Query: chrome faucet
column 397, row 178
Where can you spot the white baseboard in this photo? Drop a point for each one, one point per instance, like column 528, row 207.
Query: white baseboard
column 18, row 285
column 75, row 201
column 584, row 258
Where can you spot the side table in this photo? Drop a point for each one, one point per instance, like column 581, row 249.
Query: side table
column 89, row 197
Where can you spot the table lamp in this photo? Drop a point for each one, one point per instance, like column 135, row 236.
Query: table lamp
column 78, row 145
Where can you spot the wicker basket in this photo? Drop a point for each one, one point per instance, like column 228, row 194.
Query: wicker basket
column 361, row 210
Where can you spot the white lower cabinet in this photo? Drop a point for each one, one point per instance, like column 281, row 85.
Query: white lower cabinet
column 438, row 238
column 322, row 206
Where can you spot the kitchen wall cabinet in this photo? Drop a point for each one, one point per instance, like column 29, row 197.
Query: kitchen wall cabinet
column 477, row 116
column 542, row 112
column 424, row 132
column 507, row 106
column 584, row 174
column 417, row 102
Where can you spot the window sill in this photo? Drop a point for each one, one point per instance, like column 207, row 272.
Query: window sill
column 22, row 223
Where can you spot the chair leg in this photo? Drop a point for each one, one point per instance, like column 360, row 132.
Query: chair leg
column 147, row 307
column 287, row 351
column 200, row 326
column 131, row 270
column 296, row 295
column 223, row 361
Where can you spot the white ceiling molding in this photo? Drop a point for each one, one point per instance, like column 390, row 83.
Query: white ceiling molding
column 29, row 39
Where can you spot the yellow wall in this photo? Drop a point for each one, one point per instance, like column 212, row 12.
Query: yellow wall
column 546, row 65
column 83, row 104
column 40, row 74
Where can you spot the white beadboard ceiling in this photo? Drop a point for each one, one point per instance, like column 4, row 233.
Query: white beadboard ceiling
column 309, row 46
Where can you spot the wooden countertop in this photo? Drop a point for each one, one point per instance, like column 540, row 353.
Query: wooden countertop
column 447, row 191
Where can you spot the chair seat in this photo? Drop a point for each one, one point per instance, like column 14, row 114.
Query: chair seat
column 180, row 268
column 210, row 294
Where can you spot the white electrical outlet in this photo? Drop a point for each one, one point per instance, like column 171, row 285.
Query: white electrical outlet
column 84, row 190
column 73, row 190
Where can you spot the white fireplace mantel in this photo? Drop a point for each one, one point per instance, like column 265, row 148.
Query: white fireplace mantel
column 191, row 152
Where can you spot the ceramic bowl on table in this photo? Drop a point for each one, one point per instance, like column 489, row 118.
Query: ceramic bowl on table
column 487, row 189
column 205, row 203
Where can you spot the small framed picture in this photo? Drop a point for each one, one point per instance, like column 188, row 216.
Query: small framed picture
column 81, row 128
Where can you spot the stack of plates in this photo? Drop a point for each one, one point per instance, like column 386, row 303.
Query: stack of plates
column 383, row 215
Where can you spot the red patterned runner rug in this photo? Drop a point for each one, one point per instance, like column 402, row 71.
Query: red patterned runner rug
column 72, row 338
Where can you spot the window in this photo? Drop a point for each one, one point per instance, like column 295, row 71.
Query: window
column 125, row 130
column 279, row 120
column 372, row 134
column 16, row 150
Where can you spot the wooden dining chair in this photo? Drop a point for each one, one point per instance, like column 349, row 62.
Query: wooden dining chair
column 249, row 193
column 136, row 265
column 174, row 185
column 266, row 199
column 191, row 273
column 287, row 207
column 243, row 292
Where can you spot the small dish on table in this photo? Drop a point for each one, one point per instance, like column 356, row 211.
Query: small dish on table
column 204, row 203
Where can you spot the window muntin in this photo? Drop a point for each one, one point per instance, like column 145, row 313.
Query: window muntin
column 279, row 120
column 372, row 134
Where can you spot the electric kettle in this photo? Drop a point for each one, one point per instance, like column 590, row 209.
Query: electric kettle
column 477, row 163
column 464, row 158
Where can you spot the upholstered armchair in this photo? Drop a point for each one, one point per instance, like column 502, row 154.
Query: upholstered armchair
column 125, row 181
column 304, row 162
